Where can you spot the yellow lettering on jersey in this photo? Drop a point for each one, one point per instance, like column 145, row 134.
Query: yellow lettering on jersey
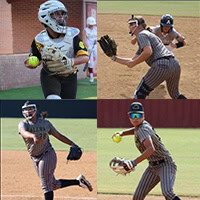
column 81, row 45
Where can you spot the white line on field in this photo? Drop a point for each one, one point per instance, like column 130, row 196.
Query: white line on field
column 58, row 197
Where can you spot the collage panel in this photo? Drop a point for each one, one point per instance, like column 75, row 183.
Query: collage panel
column 48, row 49
column 148, row 149
column 155, row 53
column 48, row 148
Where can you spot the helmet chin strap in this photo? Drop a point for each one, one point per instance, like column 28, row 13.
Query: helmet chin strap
column 136, row 25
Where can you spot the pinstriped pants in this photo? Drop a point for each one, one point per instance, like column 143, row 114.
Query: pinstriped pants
column 45, row 169
column 165, row 70
column 164, row 173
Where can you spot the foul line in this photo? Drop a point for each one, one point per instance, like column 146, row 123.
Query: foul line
column 58, row 197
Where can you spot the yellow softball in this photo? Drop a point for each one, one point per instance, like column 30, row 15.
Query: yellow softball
column 117, row 138
column 33, row 61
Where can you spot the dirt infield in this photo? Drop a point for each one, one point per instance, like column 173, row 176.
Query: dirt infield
column 116, row 81
column 20, row 181
column 129, row 197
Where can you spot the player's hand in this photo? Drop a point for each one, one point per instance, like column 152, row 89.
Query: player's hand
column 117, row 133
column 30, row 66
column 36, row 140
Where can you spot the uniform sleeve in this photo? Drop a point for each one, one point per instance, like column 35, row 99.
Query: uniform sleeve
column 34, row 50
column 79, row 47
column 178, row 36
column 50, row 127
column 144, row 133
column 143, row 40
column 21, row 125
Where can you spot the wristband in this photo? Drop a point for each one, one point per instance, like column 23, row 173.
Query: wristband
column 134, row 163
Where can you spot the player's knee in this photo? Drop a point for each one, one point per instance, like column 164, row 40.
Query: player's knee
column 53, row 96
column 142, row 91
column 181, row 97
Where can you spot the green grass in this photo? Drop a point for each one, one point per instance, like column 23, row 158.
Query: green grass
column 82, row 131
column 175, row 8
column 85, row 91
column 183, row 144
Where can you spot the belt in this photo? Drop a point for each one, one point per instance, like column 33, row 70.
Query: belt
column 154, row 163
column 165, row 57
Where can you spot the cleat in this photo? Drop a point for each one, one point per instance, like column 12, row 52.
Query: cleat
column 84, row 183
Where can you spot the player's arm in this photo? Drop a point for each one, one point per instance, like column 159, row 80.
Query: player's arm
column 28, row 135
column 84, row 38
column 148, row 152
column 81, row 53
column 60, row 137
column 180, row 41
column 133, row 41
column 126, row 132
column 132, row 62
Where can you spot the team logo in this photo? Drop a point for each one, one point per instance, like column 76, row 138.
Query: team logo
column 81, row 45
column 168, row 21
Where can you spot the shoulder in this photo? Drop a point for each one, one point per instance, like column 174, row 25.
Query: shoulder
column 40, row 37
column 72, row 31
column 156, row 29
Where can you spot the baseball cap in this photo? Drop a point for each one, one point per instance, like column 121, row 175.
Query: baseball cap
column 136, row 107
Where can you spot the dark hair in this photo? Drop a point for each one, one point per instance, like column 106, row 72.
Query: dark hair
column 44, row 114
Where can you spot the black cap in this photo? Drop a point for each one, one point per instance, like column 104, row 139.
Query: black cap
column 136, row 107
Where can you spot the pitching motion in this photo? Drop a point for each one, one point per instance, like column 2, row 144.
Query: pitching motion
column 163, row 64
column 162, row 167
column 35, row 132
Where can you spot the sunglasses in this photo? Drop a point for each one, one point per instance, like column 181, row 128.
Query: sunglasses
column 137, row 115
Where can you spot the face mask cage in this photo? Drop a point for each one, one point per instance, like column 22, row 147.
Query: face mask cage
column 59, row 17
column 29, row 111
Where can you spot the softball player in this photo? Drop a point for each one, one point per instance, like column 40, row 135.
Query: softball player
column 162, row 62
column 59, row 48
column 90, row 41
column 35, row 132
column 166, row 32
column 162, row 167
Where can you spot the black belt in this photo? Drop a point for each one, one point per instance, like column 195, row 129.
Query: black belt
column 154, row 163
column 165, row 57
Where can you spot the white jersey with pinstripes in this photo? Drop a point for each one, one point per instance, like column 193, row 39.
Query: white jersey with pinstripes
column 145, row 131
column 169, row 37
column 146, row 38
column 41, row 129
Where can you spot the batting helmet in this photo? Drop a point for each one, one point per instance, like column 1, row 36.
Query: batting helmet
column 136, row 107
column 46, row 12
column 29, row 110
column 167, row 20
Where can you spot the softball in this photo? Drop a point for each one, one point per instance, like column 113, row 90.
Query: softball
column 33, row 61
column 117, row 138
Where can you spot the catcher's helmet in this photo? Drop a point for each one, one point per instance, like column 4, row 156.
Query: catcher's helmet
column 136, row 107
column 91, row 21
column 29, row 110
column 167, row 20
column 46, row 11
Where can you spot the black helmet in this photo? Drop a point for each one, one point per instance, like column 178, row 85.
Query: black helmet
column 136, row 107
column 167, row 20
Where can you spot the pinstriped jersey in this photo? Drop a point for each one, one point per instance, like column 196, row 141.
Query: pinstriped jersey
column 146, row 38
column 145, row 131
column 41, row 129
column 169, row 37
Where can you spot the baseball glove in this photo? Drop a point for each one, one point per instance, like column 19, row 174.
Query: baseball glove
column 121, row 166
column 75, row 153
column 108, row 45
